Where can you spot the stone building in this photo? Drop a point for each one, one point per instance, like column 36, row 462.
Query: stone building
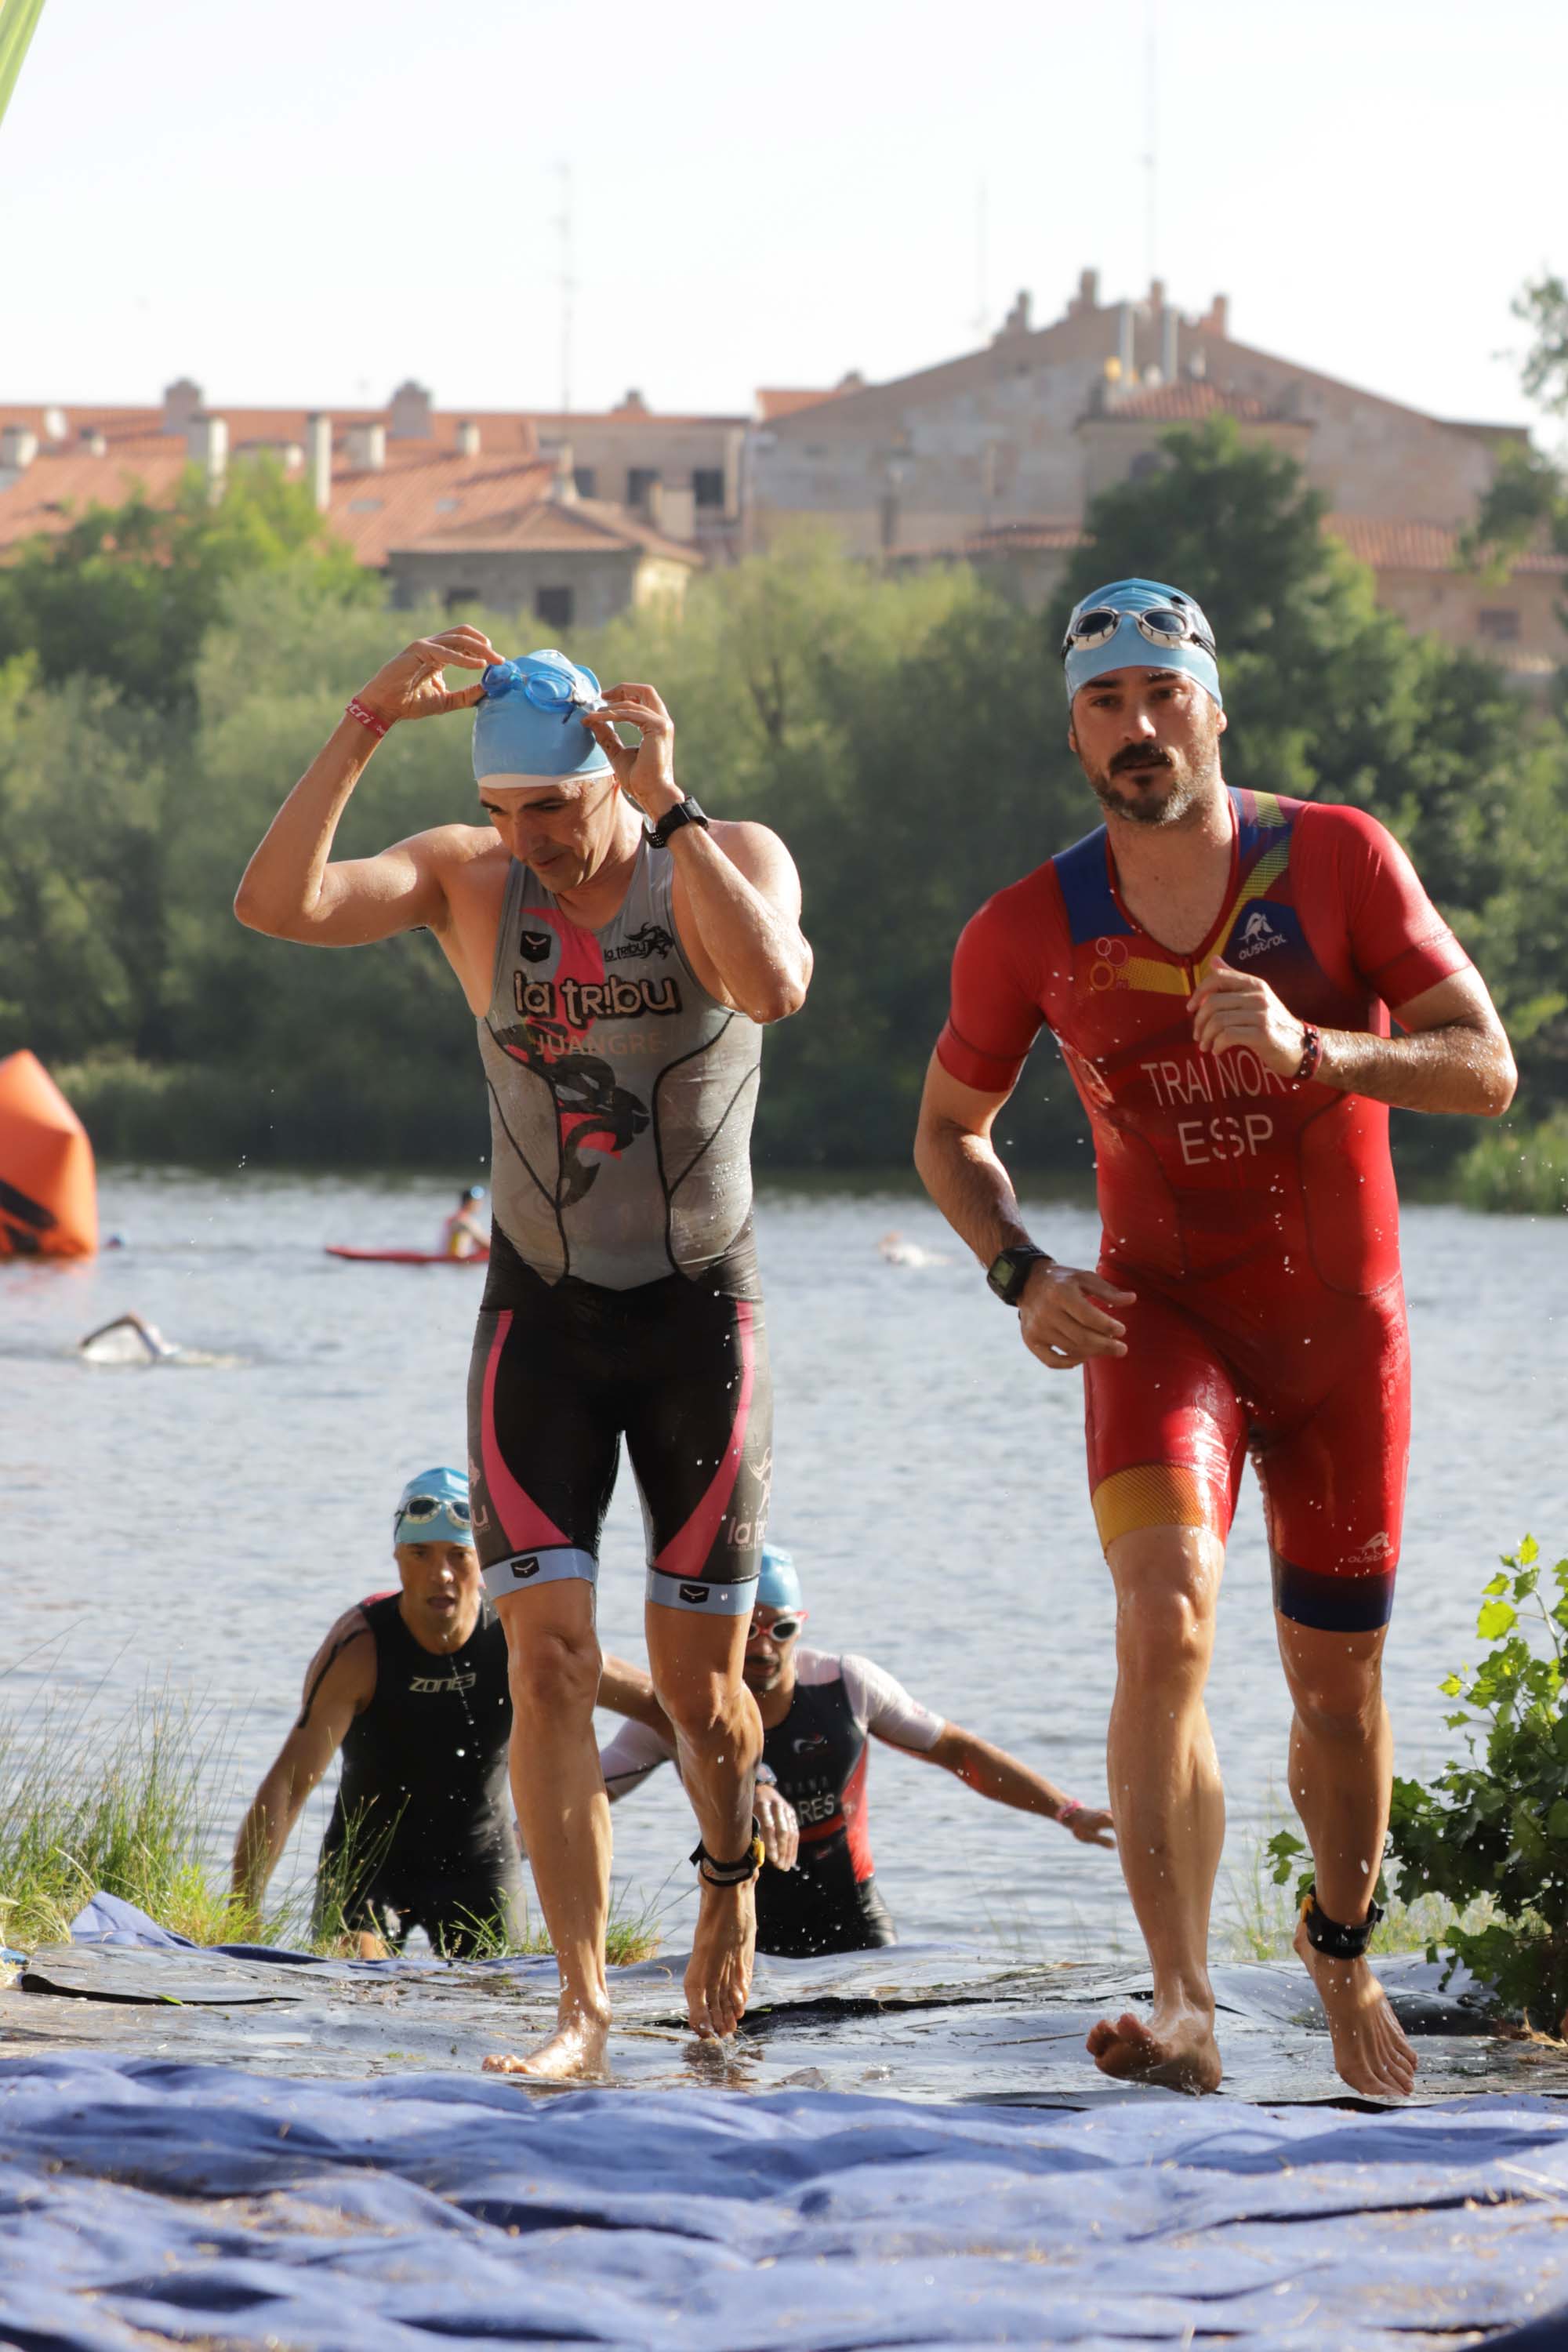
column 996, row 457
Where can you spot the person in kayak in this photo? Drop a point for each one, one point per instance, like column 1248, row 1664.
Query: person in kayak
column 820, row 1710
column 621, row 954
column 465, row 1233
column 411, row 1686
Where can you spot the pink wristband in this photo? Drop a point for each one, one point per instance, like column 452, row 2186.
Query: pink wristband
column 1073, row 1805
column 356, row 710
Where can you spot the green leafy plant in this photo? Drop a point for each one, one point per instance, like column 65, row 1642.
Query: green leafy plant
column 1495, row 1825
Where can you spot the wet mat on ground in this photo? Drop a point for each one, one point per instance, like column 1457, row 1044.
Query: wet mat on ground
column 203, row 2204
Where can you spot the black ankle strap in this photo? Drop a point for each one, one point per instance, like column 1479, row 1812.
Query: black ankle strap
column 1327, row 1936
column 729, row 1873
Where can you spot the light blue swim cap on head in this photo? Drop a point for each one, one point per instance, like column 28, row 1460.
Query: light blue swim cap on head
column 1128, row 646
column 434, row 1508
column 529, row 729
column 778, row 1586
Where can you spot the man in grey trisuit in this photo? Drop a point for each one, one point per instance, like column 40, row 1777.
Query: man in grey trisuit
column 620, row 971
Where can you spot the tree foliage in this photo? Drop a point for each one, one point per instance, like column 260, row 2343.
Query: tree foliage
column 1494, row 1824
column 906, row 736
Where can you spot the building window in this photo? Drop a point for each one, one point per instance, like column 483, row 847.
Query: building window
column 1498, row 624
column 640, row 480
column 1147, row 462
column 553, row 607
column 708, row 484
column 586, row 480
column 461, row 600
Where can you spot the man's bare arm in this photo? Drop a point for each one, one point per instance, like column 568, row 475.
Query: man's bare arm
column 736, row 899
column 1454, row 1056
column 339, row 1682
column 628, row 1690
column 291, row 889
column 1063, row 1314
column 991, row 1772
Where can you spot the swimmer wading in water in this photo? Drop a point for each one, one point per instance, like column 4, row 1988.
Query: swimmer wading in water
column 621, row 955
column 411, row 1687
column 1219, row 969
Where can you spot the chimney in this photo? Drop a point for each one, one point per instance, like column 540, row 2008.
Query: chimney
column 634, row 405
column 365, row 448
column 468, row 437
column 1217, row 317
column 411, row 413
column 1156, row 294
column 91, row 442
column 18, row 447
column 319, row 460
column 182, row 404
column 1170, row 340
column 54, row 424
column 1088, row 290
column 1017, row 321
column 563, row 482
column 206, row 445
column 1124, row 351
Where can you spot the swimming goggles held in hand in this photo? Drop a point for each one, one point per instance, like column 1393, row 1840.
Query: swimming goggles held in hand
column 1163, row 626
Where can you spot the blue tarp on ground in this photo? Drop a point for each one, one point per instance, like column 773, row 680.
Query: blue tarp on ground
column 199, row 2202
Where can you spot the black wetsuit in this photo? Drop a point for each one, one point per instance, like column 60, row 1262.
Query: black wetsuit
column 829, row 1902
column 421, row 1833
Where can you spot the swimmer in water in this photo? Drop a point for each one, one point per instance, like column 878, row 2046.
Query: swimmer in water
column 820, row 1708
column 411, row 1686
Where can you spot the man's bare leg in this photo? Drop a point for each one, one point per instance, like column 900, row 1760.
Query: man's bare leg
column 1341, row 1776
column 696, row 1665
column 552, row 1654
column 1166, row 1799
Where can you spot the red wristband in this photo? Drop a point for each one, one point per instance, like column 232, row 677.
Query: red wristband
column 1312, row 1054
column 356, row 710
column 1073, row 1805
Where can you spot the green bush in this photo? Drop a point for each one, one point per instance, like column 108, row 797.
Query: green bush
column 1522, row 1168
column 1495, row 1826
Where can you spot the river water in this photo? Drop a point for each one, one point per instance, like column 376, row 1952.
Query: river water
column 202, row 1525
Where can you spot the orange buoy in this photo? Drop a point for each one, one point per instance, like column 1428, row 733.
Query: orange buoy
column 49, row 1190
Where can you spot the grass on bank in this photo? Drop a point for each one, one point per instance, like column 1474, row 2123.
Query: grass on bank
column 129, row 1807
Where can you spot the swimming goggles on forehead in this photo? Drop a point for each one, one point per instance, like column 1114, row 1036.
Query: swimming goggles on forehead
column 546, row 689
column 783, row 1629
column 1163, row 626
column 420, row 1508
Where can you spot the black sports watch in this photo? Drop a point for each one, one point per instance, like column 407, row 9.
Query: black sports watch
column 1008, row 1272
column 686, row 811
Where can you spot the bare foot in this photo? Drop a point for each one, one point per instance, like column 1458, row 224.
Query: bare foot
column 718, row 1973
column 573, row 2053
column 1174, row 2046
column 1371, row 2052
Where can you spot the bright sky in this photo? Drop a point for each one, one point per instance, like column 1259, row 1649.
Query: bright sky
column 311, row 200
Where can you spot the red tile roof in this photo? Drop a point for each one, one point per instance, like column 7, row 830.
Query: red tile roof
column 551, row 525
column 1397, row 546
column 1186, row 402
column 774, row 402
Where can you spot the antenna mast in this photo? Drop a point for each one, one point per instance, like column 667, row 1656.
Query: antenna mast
column 982, row 305
column 1151, row 139
column 566, row 281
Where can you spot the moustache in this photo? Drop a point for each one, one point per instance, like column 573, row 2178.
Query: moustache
column 1147, row 756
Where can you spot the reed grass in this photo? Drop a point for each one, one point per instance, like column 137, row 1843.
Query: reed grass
column 140, row 1807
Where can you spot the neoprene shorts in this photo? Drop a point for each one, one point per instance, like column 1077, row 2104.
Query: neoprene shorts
column 561, row 1372
column 1316, row 1388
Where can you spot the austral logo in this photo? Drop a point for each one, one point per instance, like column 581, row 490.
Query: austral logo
column 647, row 939
column 580, row 1002
column 1258, row 936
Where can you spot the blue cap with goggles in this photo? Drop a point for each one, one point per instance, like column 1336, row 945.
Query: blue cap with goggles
column 1139, row 625
column 529, row 729
column 434, row 1508
column 778, row 1586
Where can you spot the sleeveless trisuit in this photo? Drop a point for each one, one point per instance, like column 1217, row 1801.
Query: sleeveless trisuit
column 421, row 1832
column 622, row 1297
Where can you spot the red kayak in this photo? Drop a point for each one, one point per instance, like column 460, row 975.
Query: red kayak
column 405, row 1258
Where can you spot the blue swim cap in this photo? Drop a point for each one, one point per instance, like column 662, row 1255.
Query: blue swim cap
column 529, row 729
column 778, row 1586
column 434, row 1508
column 1127, row 647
